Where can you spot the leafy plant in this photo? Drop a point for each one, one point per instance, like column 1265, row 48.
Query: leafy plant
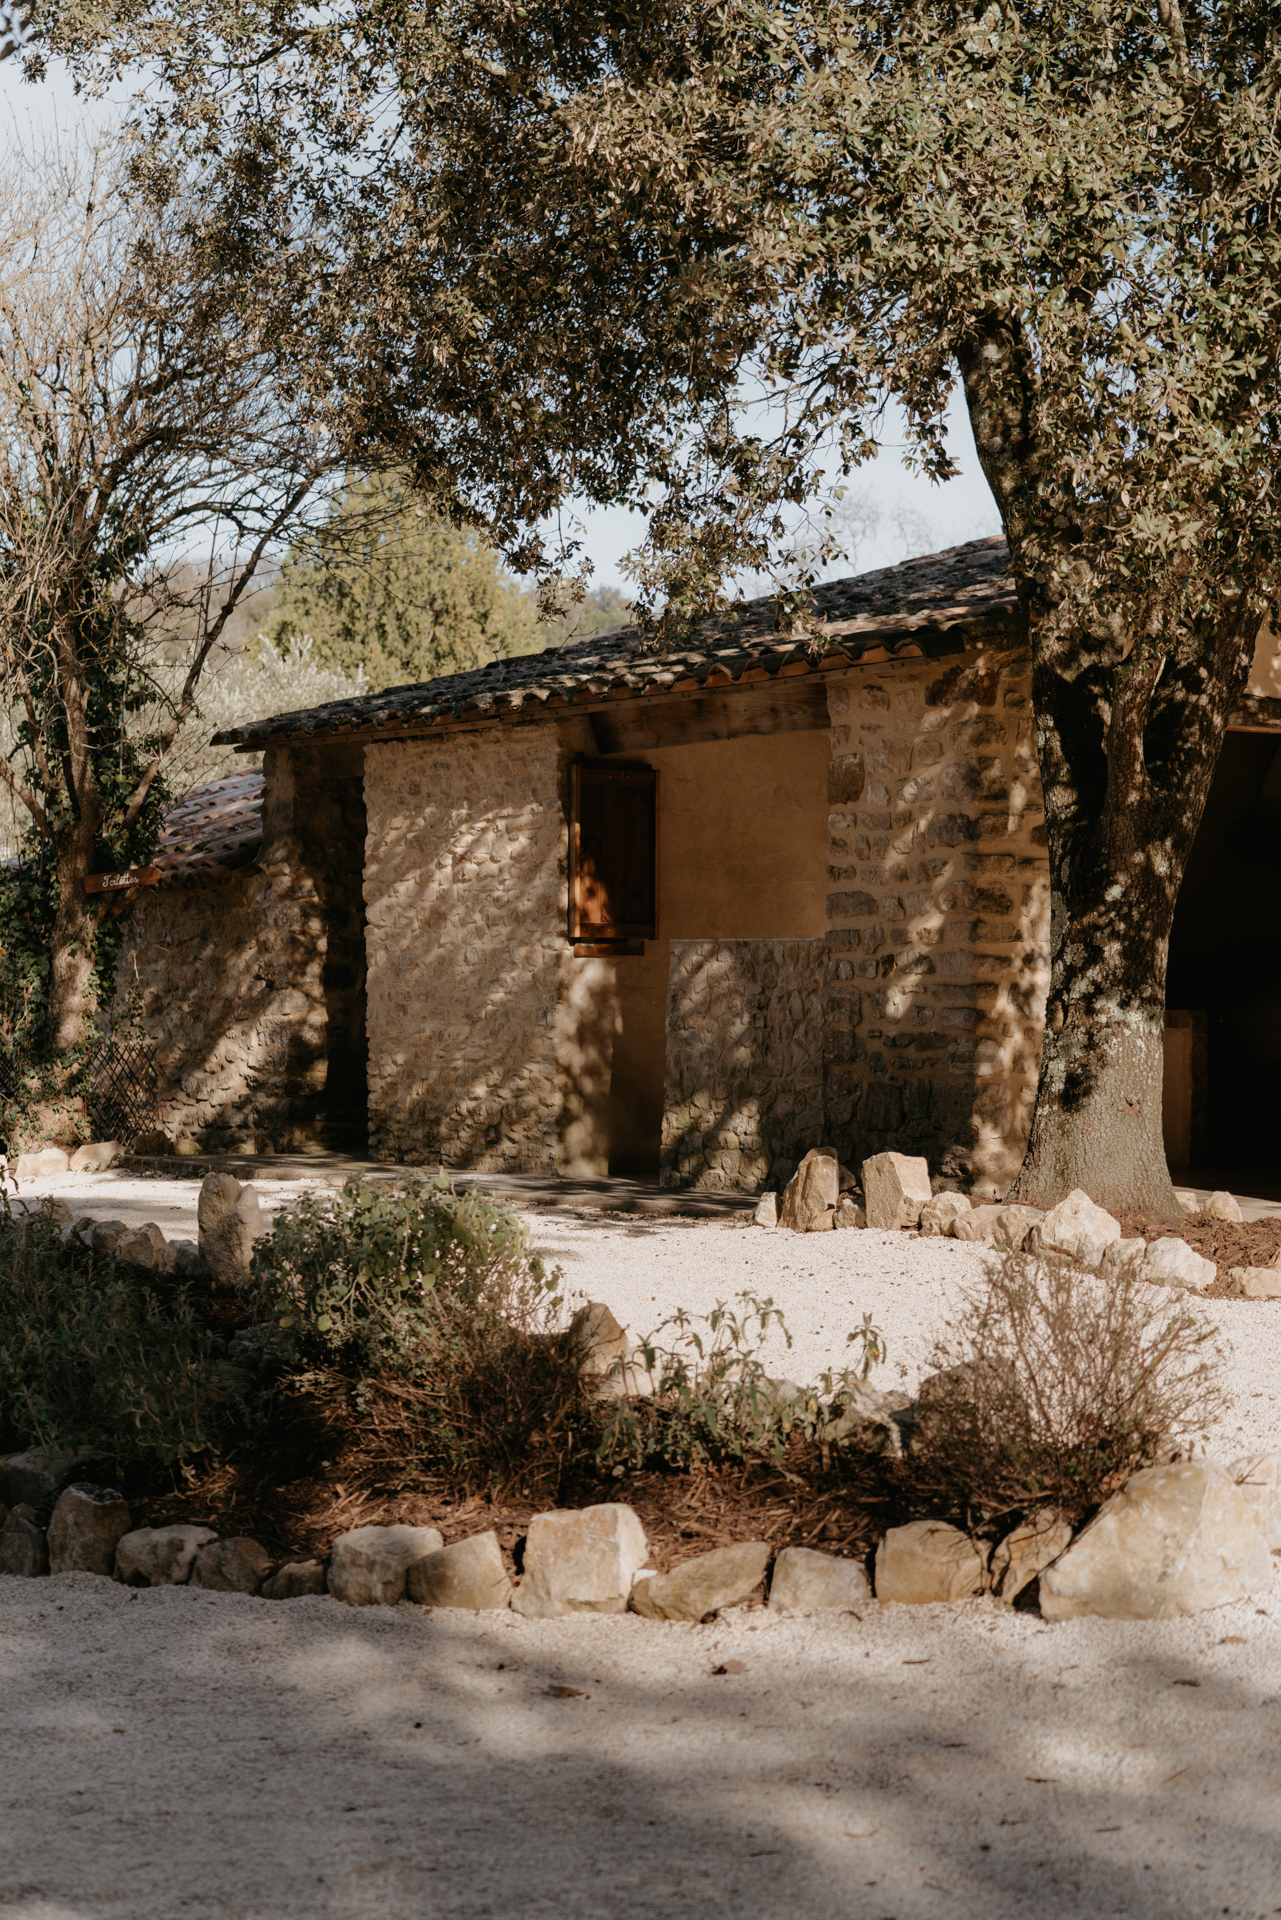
column 1052, row 1387
column 90, row 1359
column 714, row 1399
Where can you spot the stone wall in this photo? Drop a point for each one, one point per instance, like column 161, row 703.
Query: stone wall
column 938, row 950
column 251, row 985
column 466, row 945
column 744, row 1092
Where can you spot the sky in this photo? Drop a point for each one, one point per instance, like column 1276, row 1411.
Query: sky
column 897, row 514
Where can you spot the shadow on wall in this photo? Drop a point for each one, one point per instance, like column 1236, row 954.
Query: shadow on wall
column 744, row 1092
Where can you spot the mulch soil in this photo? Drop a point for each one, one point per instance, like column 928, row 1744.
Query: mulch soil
column 1255, row 1243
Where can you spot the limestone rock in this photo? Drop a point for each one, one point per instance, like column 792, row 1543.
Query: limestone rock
column 1256, row 1283
column 766, row 1214
column 580, row 1561
column 24, row 1551
column 237, row 1565
column 806, row 1582
column 598, row 1337
column 87, row 1524
column 107, row 1235
column 1075, row 1231
column 722, row 1578
column 812, row 1189
column 940, row 1214
column 1172, row 1263
column 35, row 1478
column 468, row 1574
column 997, row 1225
column 849, row 1215
column 928, row 1560
column 96, row 1157
column 143, row 1248
column 368, row 1566
column 296, row 1581
column 48, row 1164
column 160, row 1556
column 187, row 1147
column 896, row 1189
column 1028, row 1551
column 1124, row 1259
column 1222, row 1206
column 864, row 1417
column 187, row 1260
column 1257, row 1479
column 154, row 1142
column 823, row 1222
column 1176, row 1540
column 229, row 1221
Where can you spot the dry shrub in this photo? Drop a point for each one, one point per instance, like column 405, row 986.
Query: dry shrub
column 1053, row 1386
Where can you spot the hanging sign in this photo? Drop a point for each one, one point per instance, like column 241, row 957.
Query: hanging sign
column 114, row 882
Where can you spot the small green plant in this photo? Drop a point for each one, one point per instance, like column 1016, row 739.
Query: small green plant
column 443, row 1322
column 714, row 1399
column 90, row 1359
column 1052, row 1387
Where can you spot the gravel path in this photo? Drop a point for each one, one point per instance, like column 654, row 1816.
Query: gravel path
column 173, row 1752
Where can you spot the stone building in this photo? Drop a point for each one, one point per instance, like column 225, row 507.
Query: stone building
column 602, row 910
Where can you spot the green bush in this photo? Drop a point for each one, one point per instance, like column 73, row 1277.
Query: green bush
column 88, row 1358
column 714, row 1399
column 431, row 1304
column 1052, row 1387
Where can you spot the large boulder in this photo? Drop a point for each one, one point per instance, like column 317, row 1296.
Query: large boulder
column 998, row 1225
column 236, row 1565
column 143, row 1248
column 1076, row 1231
column 1222, row 1206
column 1124, row 1259
column 369, row 1566
column 469, row 1574
column 1258, row 1480
column 813, row 1189
column 766, row 1214
column 36, row 1477
column 1176, row 1540
column 806, row 1581
column 105, row 1236
column 96, row 1157
column 725, row 1577
column 1172, row 1263
column 228, row 1220
column 940, row 1214
column 896, row 1190
column 1027, row 1552
column 863, row 1416
column 1256, row 1283
column 49, row 1164
column 88, row 1523
column 160, row 1556
column 24, row 1551
column 580, row 1561
column 598, row 1339
column 928, row 1560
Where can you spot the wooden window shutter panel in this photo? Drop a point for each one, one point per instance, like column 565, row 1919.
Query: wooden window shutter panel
column 613, row 853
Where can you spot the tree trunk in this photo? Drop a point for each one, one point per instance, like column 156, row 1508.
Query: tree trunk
column 1128, row 749
column 71, row 956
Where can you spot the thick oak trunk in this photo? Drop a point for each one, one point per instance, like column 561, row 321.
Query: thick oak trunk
column 1128, row 749
column 71, row 956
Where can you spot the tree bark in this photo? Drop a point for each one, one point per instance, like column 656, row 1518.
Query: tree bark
column 1127, row 750
column 71, row 956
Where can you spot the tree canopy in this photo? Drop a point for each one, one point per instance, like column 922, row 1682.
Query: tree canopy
column 683, row 256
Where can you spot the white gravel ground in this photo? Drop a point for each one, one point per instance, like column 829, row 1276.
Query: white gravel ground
column 173, row 1751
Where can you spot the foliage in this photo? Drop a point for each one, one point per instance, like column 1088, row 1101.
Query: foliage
column 1054, row 1386
column 434, row 1299
column 713, row 1399
column 259, row 682
column 386, row 589
column 90, row 1359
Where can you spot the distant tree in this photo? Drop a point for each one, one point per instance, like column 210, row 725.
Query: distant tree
column 138, row 414
column 256, row 683
column 386, row 588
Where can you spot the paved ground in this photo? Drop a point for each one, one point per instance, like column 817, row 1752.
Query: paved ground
column 174, row 1752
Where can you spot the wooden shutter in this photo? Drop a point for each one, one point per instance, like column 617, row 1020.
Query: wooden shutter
column 613, row 853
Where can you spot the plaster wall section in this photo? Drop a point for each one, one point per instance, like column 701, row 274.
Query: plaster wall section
column 228, row 975
column 938, row 916
column 465, row 902
column 744, row 1094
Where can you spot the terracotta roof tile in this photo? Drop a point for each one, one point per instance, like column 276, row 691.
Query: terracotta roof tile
column 868, row 617
column 212, row 830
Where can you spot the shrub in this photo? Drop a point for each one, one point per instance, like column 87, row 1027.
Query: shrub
column 431, row 1304
column 715, row 1401
column 90, row 1359
column 1053, row 1386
